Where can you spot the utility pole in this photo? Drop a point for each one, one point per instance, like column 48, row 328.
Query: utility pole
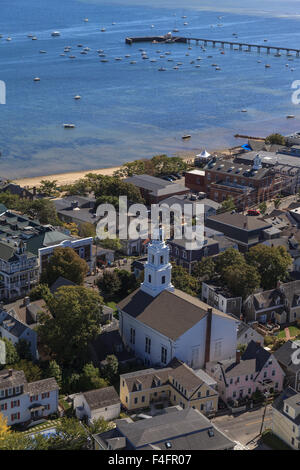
column 264, row 413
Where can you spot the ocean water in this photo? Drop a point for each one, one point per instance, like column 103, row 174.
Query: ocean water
column 130, row 111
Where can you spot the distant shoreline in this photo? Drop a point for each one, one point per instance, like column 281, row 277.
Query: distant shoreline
column 71, row 177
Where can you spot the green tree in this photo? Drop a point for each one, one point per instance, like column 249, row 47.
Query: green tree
column 111, row 368
column 227, row 206
column 11, row 352
column 86, row 229
column 75, row 322
column 230, row 257
column 67, row 263
column 16, row 441
column 90, row 378
column 182, row 280
column 23, row 349
column 48, row 188
column 41, row 291
column 43, row 210
column 32, row 371
column 204, row 268
column 263, row 207
column 70, row 435
column 98, row 426
column 109, row 285
column 242, row 348
column 242, row 279
column 272, row 263
column 110, row 244
column 54, row 370
column 277, row 139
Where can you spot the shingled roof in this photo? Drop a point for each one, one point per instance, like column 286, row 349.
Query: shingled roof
column 101, row 397
column 156, row 313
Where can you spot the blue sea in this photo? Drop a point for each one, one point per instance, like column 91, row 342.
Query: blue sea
column 130, row 111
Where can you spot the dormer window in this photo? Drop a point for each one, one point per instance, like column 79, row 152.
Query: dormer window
column 149, row 278
column 163, row 280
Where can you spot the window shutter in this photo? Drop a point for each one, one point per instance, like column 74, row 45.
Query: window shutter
column 18, row 415
column 12, row 404
column 12, row 417
column 18, row 402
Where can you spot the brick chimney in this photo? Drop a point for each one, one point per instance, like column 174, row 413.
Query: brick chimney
column 238, row 356
column 208, row 335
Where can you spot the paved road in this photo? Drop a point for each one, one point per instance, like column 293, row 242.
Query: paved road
column 244, row 427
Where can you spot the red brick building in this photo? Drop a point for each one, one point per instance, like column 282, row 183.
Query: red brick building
column 246, row 184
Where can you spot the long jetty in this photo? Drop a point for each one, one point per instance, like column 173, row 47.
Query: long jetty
column 213, row 42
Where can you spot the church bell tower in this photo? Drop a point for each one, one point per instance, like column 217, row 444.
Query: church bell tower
column 157, row 274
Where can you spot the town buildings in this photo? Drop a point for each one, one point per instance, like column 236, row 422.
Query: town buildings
column 176, row 429
column 176, row 384
column 256, row 369
column 96, row 404
column 22, row 401
column 280, row 305
column 190, row 330
column 288, row 356
column 219, row 297
column 286, row 417
column 15, row 330
column 154, row 189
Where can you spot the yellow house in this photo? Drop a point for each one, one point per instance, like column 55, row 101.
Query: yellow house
column 176, row 384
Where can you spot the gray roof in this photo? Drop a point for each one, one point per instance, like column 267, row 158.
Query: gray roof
column 240, row 221
column 284, row 355
column 185, row 429
column 61, row 282
column 42, row 386
column 102, row 397
column 288, row 396
column 225, row 167
column 155, row 312
column 156, row 186
column 14, row 326
column 8, row 381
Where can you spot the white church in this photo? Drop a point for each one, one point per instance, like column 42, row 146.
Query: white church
column 158, row 322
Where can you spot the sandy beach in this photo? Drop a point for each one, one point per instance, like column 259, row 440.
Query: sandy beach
column 70, row 178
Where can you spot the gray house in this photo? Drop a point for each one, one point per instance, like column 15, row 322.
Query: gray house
column 14, row 330
column 288, row 356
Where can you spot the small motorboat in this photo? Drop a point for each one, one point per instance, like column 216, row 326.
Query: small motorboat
column 175, row 30
column 244, row 111
column 43, row 52
column 162, row 69
column 77, row 97
column 290, row 116
column 36, row 79
column 185, row 137
column 83, row 52
column 267, row 66
column 8, row 39
column 103, row 30
column 55, row 34
column 176, row 68
column 79, row 45
column 104, row 60
column 86, row 20
column 72, row 56
column 34, row 38
column 119, row 58
column 133, row 62
column 69, row 126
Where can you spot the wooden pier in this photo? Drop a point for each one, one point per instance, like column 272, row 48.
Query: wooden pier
column 242, row 46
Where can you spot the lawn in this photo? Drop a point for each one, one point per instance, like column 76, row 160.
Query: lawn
column 294, row 331
column 273, row 441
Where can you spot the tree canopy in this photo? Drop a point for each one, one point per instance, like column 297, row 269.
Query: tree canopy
column 272, row 263
column 156, row 166
column 67, row 263
column 76, row 315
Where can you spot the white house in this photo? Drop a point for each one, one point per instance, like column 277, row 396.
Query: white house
column 21, row 402
column 101, row 403
column 158, row 322
column 13, row 329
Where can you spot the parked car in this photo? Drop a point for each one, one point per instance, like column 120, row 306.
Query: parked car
column 253, row 212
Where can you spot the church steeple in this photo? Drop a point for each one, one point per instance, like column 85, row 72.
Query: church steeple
column 157, row 274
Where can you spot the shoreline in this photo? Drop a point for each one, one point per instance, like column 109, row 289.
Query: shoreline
column 72, row 177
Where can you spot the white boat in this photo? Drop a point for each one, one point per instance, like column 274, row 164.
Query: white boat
column 69, row 126
column 34, row 38
column 118, row 58
column 43, row 52
column 162, row 69
column 55, row 33
column 103, row 30
column 244, row 111
column 175, row 30
column 8, row 39
column 86, row 20
column 127, row 56
column 72, row 56
column 153, row 60
column 185, row 24
column 267, row 66
column 36, row 79
column 133, row 62
column 77, row 97
column 176, row 68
